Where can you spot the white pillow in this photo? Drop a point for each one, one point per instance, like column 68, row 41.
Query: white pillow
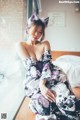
column 74, row 76
column 71, row 66
column 63, row 65
column 69, row 58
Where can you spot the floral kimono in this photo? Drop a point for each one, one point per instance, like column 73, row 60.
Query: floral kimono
column 65, row 106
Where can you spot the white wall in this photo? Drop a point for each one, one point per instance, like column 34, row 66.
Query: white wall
column 12, row 22
column 67, row 37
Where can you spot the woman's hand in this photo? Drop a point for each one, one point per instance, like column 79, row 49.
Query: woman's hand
column 47, row 93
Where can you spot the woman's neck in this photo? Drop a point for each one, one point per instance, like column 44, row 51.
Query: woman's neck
column 31, row 42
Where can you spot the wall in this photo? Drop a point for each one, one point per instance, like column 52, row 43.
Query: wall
column 12, row 22
column 67, row 37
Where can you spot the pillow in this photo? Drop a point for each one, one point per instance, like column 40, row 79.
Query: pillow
column 71, row 66
column 63, row 65
column 69, row 58
column 74, row 76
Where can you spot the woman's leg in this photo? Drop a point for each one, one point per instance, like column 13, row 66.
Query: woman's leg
column 39, row 104
column 43, row 109
column 65, row 101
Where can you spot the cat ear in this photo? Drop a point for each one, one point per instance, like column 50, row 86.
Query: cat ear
column 33, row 17
column 31, row 20
column 46, row 20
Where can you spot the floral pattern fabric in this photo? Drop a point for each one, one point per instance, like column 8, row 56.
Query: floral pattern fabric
column 56, row 80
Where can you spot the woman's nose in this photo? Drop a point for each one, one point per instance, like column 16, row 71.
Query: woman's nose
column 36, row 33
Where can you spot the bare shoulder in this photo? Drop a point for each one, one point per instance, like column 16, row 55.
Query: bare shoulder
column 20, row 46
column 46, row 44
column 21, row 43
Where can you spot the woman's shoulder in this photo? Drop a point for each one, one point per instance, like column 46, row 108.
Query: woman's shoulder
column 46, row 44
column 21, row 43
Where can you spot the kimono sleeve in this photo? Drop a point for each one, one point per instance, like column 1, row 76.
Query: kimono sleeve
column 47, row 66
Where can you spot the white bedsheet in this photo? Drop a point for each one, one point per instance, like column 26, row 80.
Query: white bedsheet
column 71, row 66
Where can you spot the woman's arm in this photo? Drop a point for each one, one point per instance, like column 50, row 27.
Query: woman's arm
column 76, row 92
column 47, row 45
column 47, row 93
column 22, row 50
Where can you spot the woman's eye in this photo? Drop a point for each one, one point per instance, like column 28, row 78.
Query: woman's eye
column 40, row 32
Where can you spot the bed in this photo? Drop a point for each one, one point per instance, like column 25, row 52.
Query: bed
column 71, row 66
column 70, row 63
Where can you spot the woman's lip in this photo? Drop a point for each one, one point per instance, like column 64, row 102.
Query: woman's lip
column 35, row 38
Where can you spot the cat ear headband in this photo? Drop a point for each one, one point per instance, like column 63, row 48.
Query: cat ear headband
column 35, row 17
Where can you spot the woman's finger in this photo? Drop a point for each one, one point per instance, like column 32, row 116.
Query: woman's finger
column 51, row 99
column 50, row 96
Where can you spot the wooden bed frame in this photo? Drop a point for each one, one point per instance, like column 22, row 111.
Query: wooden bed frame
column 56, row 54
column 24, row 113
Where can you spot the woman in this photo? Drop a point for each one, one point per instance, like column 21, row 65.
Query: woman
column 45, row 83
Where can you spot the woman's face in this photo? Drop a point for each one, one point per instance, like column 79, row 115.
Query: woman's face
column 35, row 32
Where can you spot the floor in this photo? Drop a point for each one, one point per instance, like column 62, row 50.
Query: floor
column 24, row 112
